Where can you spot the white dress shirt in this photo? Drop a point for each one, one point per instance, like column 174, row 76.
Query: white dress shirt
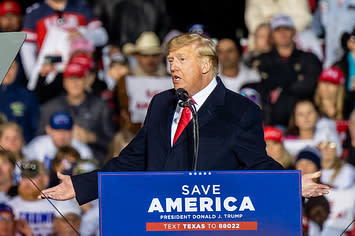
column 199, row 98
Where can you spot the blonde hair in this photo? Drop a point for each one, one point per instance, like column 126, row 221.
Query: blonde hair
column 14, row 125
column 205, row 47
column 339, row 103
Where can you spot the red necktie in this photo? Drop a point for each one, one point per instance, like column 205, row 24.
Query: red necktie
column 184, row 120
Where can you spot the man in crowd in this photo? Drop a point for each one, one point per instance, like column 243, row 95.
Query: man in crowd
column 287, row 73
column 50, row 26
column 230, row 138
column 234, row 73
column 91, row 116
column 147, row 51
column 10, row 16
column 59, row 133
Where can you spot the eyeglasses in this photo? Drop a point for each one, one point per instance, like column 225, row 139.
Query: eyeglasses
column 327, row 144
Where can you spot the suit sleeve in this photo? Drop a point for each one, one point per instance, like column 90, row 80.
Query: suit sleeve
column 250, row 144
column 132, row 158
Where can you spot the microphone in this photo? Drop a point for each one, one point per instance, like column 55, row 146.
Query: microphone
column 188, row 102
column 184, row 97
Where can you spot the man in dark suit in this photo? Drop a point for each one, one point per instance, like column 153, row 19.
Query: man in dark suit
column 231, row 134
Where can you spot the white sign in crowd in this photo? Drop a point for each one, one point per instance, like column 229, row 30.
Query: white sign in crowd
column 140, row 90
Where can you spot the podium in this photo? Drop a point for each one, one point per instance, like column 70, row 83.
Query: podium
column 200, row 203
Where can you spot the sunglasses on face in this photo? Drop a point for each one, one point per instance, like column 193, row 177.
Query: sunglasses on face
column 327, row 144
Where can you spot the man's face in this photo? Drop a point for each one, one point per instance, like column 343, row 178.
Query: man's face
column 227, row 53
column 28, row 191
column 148, row 63
column 75, row 86
column 60, row 137
column 10, row 22
column 283, row 36
column 7, row 224
column 186, row 70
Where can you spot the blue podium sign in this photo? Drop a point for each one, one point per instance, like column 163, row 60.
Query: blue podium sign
column 200, row 203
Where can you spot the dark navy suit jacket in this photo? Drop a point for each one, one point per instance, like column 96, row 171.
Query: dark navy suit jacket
column 231, row 138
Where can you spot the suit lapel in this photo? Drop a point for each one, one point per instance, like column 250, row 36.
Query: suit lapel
column 207, row 112
column 214, row 101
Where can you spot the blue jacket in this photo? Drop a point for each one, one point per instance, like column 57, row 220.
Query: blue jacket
column 231, row 138
column 21, row 106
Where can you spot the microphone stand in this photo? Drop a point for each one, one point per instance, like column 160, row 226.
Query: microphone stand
column 190, row 104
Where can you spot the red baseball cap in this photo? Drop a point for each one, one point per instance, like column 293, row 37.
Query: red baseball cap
column 332, row 75
column 83, row 60
column 272, row 133
column 75, row 70
column 10, row 7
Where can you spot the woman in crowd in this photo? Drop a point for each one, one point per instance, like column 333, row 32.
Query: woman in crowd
column 11, row 139
column 330, row 93
column 301, row 126
column 335, row 172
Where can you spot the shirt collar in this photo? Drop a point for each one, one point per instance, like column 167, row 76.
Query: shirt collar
column 202, row 95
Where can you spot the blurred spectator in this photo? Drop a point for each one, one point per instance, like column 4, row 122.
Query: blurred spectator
column 92, row 117
column 257, row 13
column 317, row 210
column 10, row 16
column 275, row 149
column 147, row 51
column 329, row 94
column 11, row 139
column 59, row 133
column 80, row 51
column 233, row 72
column 287, row 73
column 71, row 211
column 133, row 17
column 308, row 160
column 9, row 226
column 334, row 172
column 347, row 65
column 118, row 143
column 50, row 26
column 336, row 18
column 262, row 44
column 301, row 126
column 18, row 104
column 118, row 69
column 7, row 168
column 64, row 162
column 148, row 54
column 38, row 213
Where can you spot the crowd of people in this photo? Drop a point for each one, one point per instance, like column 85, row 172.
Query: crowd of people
column 67, row 99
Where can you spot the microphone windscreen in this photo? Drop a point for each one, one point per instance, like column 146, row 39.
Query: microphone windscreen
column 182, row 94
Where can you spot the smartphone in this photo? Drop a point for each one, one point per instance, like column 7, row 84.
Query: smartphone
column 52, row 59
